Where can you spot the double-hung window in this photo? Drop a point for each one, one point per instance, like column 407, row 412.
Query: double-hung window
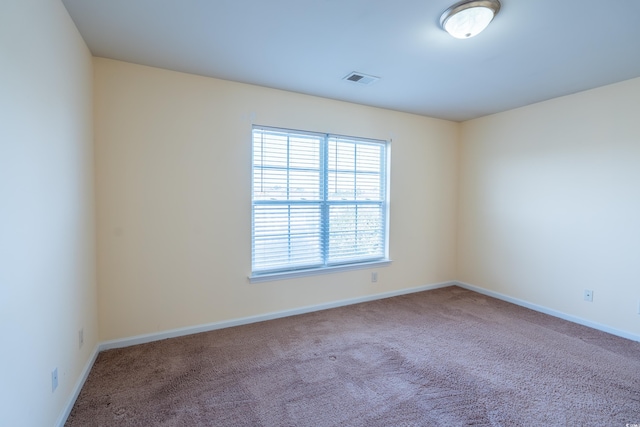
column 319, row 202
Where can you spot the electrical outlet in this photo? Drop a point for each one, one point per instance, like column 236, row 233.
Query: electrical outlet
column 588, row 295
column 80, row 338
column 54, row 380
column 374, row 277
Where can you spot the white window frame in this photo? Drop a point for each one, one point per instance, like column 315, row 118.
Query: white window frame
column 380, row 259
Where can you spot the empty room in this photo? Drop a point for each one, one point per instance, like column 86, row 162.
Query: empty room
column 319, row 213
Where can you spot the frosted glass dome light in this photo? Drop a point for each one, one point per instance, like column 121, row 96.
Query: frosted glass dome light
column 469, row 18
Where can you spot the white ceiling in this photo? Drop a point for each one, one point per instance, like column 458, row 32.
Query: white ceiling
column 534, row 49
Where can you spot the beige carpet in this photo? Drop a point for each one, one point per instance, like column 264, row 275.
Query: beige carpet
column 447, row 357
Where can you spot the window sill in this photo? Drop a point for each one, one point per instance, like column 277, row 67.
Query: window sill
column 316, row 271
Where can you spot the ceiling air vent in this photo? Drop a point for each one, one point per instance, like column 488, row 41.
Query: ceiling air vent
column 362, row 79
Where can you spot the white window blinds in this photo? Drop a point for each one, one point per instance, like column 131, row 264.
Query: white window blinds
column 318, row 200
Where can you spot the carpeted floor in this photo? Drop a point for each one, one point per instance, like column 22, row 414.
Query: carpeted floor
column 447, row 357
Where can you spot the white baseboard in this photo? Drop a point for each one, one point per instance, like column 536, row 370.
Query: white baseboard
column 173, row 333
column 549, row 311
column 75, row 392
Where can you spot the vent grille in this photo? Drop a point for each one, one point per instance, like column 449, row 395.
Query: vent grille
column 361, row 78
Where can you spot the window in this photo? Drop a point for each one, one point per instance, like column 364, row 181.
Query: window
column 319, row 201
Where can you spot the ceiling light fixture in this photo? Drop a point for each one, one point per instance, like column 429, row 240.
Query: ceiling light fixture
column 468, row 18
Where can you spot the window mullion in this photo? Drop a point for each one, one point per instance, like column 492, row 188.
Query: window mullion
column 355, row 194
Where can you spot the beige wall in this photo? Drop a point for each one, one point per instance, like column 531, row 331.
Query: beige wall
column 550, row 204
column 47, row 256
column 173, row 184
